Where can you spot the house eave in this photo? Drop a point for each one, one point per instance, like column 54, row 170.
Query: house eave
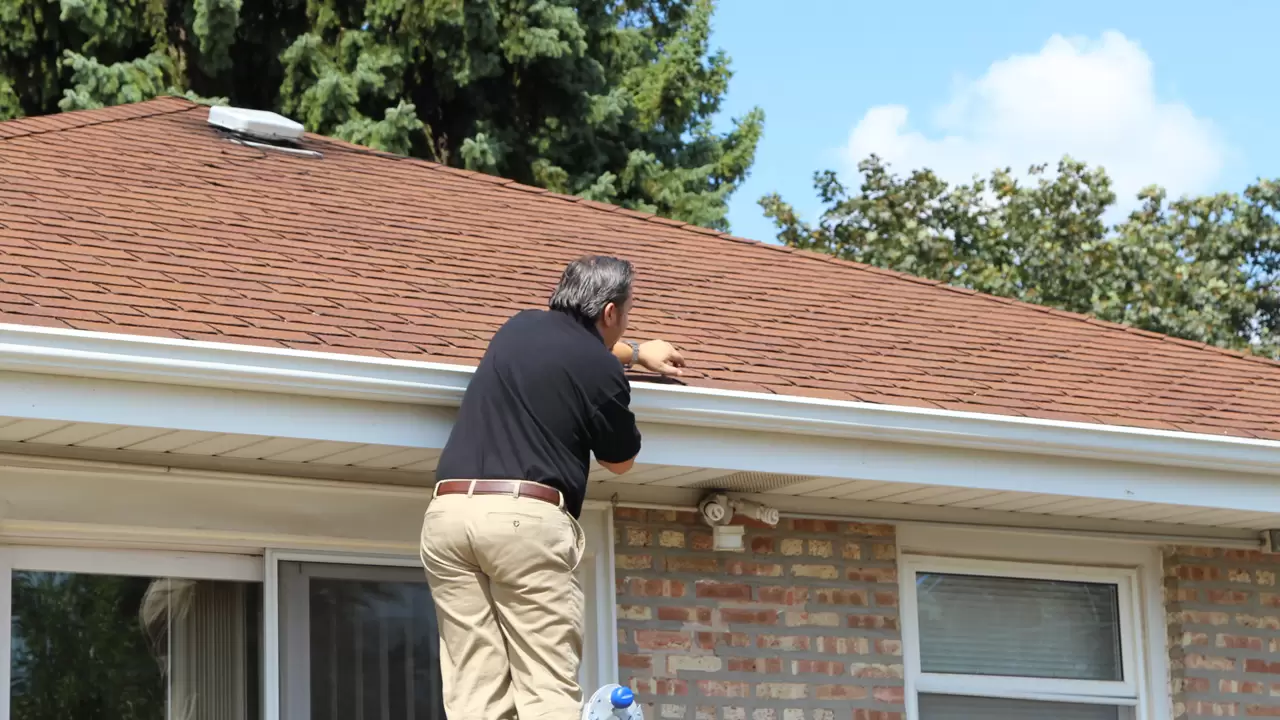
column 42, row 350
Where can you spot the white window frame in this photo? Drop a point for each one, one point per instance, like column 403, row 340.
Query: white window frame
column 93, row 561
column 1128, row 693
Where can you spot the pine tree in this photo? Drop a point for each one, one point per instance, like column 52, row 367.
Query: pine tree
column 612, row 100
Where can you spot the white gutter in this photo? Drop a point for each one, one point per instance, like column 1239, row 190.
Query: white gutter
column 241, row 367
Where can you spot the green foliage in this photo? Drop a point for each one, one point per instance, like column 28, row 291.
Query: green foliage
column 1202, row 268
column 79, row 650
column 95, row 85
column 612, row 100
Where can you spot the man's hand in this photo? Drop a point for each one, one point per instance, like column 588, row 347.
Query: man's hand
column 660, row 357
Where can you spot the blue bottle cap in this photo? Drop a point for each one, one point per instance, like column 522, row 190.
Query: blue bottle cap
column 622, row 697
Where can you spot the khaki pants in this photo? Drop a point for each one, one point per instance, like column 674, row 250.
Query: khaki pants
column 509, row 605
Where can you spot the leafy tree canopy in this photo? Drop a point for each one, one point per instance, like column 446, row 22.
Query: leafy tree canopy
column 1201, row 268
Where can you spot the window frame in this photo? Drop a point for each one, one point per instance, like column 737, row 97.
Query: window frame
column 1129, row 693
column 101, row 561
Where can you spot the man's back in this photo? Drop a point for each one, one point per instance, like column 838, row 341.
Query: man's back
column 546, row 395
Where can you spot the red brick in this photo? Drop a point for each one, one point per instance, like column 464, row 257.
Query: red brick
column 783, row 595
column 878, row 622
column 1252, row 665
column 663, row 640
column 700, row 615
column 1239, row 642
column 748, row 617
column 805, row 525
column 828, row 596
column 641, row 587
column 892, row 695
column 635, row 662
column 756, row 665
column 721, row 591
column 1227, row 597
column 711, row 641
column 816, row 667
column 872, row 575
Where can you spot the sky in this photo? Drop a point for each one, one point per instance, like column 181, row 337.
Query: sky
column 1176, row 93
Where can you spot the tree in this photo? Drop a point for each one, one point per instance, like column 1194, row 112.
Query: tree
column 1200, row 268
column 79, row 651
column 611, row 100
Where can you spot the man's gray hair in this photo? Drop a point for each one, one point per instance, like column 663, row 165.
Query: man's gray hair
column 590, row 283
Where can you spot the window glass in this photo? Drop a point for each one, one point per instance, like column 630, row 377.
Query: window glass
column 133, row 648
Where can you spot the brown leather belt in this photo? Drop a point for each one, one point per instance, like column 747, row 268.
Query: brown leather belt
column 514, row 488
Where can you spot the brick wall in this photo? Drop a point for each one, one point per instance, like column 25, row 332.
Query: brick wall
column 801, row 625
column 1224, row 632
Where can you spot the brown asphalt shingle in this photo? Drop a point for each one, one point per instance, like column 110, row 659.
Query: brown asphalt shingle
column 144, row 219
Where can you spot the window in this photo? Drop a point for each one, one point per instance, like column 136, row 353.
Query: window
column 990, row 640
column 135, row 636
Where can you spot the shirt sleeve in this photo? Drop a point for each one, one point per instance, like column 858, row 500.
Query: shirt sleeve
column 614, row 435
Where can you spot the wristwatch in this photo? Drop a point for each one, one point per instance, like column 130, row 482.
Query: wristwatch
column 635, row 353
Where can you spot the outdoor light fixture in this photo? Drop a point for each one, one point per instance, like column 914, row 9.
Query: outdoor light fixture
column 718, row 510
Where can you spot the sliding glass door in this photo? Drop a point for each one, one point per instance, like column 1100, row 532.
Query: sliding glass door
column 131, row 636
column 358, row 642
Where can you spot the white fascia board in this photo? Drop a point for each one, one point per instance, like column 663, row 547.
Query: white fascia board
column 270, row 370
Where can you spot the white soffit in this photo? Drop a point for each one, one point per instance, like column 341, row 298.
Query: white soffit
column 334, row 376
column 81, row 390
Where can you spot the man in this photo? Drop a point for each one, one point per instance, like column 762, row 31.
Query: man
column 501, row 540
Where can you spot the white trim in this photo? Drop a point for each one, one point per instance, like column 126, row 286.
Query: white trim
column 138, row 563
column 6, row 638
column 1135, row 690
column 220, row 365
column 601, row 603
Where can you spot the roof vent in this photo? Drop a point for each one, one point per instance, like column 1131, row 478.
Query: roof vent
column 257, row 124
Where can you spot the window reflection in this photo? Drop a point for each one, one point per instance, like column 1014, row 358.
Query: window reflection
column 133, row 648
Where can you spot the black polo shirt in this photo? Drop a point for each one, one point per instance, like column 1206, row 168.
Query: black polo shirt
column 547, row 394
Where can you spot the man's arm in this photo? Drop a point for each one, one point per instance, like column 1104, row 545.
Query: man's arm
column 655, row 356
column 615, row 440
column 617, row 468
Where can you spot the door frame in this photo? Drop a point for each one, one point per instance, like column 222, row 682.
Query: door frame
column 272, row 652
column 600, row 652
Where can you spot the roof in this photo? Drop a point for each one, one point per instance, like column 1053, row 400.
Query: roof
column 143, row 219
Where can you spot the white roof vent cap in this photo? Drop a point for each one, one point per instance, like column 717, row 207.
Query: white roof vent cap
column 258, row 124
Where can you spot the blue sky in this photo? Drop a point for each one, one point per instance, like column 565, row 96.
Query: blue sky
column 1176, row 93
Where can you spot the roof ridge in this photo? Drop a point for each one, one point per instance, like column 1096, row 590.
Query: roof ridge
column 85, row 119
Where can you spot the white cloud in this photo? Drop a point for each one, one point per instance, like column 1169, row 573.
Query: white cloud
column 1093, row 100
